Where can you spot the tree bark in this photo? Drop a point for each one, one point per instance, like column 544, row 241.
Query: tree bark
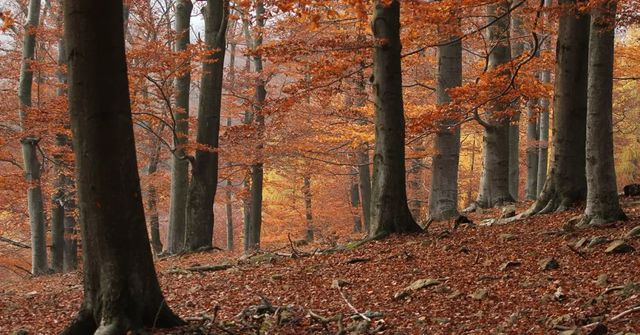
column 29, row 146
column 543, row 122
column 389, row 209
column 443, row 197
column 257, row 168
column 121, row 290
column 204, row 171
column 566, row 183
column 354, row 194
column 364, row 178
column 152, row 195
column 603, row 205
column 308, row 210
column 494, row 184
column 517, row 49
column 531, row 191
column 228, row 206
column 179, row 163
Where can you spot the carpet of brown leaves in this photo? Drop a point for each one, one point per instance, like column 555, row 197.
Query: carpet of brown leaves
column 521, row 299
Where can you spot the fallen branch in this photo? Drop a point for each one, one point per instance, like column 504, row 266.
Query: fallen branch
column 623, row 314
column 202, row 268
column 14, row 243
column 612, row 289
column 355, row 310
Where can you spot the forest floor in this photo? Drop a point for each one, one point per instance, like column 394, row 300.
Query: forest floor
column 487, row 280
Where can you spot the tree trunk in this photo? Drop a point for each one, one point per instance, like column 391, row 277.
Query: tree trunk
column 152, row 195
column 121, row 291
column 531, row 191
column 415, row 174
column 257, row 168
column 228, row 205
column 566, row 183
column 29, row 146
column 603, row 205
column 179, row 163
column 517, row 49
column 355, row 204
column 364, row 177
column 306, row 190
column 389, row 209
column 204, row 172
column 494, row 184
column 443, row 197
column 61, row 184
column 543, row 138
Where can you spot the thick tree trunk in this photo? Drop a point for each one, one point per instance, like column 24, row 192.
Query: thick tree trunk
column 204, row 172
column 566, row 183
column 29, row 146
column 494, row 184
column 121, row 291
column 179, row 163
column 443, row 198
column 308, row 210
column 389, row 209
column 603, row 205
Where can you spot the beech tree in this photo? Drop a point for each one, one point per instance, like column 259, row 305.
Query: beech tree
column 566, row 183
column 443, row 198
column 179, row 162
column 204, row 169
column 121, row 290
column 389, row 209
column 603, row 205
column 31, row 163
column 494, row 185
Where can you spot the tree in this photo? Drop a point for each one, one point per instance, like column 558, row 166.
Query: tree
column 179, row 163
column 31, row 164
column 566, row 183
column 257, row 117
column 443, row 198
column 494, row 184
column 204, row 169
column 389, row 209
column 603, row 205
column 121, row 290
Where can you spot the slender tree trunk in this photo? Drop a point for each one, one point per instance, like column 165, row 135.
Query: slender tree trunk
column 517, row 49
column 257, row 168
column 543, row 123
column 566, row 183
column 354, row 194
column 308, row 210
column 364, row 178
column 415, row 204
column 121, row 291
column 29, row 146
column 603, row 205
column 179, row 163
column 494, row 185
column 228, row 205
column 389, row 209
column 531, row 191
column 204, row 172
column 543, row 137
column 443, row 197
column 152, row 196
column 58, row 198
